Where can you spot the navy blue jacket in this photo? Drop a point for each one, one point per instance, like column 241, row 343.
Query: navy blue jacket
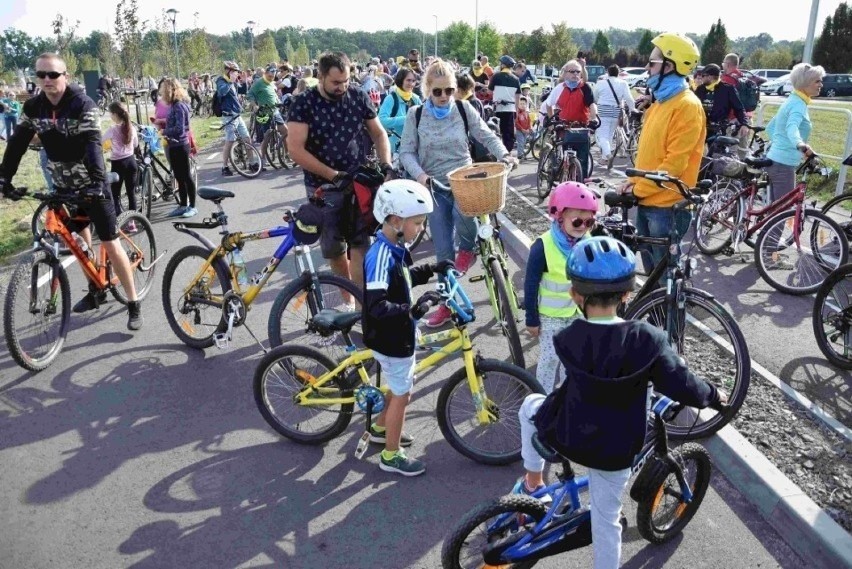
column 386, row 324
column 598, row 416
column 227, row 92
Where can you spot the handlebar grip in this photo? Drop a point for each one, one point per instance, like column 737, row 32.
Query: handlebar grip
column 631, row 172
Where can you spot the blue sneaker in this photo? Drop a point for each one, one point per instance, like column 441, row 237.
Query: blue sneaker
column 177, row 212
column 189, row 212
column 520, row 487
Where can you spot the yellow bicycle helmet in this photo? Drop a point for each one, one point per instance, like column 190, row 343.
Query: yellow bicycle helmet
column 678, row 49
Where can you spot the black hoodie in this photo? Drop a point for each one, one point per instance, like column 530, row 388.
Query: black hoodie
column 598, row 417
column 71, row 135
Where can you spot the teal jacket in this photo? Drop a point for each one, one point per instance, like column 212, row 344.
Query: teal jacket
column 13, row 107
column 395, row 122
column 790, row 127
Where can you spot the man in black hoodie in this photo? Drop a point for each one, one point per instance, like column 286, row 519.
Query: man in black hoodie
column 67, row 123
column 598, row 416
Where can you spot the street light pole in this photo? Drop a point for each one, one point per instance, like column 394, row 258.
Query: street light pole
column 476, row 32
column 251, row 25
column 809, row 39
column 173, row 15
column 436, row 34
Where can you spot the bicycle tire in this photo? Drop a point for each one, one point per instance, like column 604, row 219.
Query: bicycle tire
column 185, row 329
column 619, row 141
column 271, row 153
column 538, row 145
column 193, row 173
column 522, row 383
column 652, row 309
column 714, row 212
column 26, row 271
column 825, row 261
column 842, row 215
column 139, row 253
column 245, row 159
column 298, row 302
column 543, row 180
column 263, row 395
column 38, row 220
column 505, row 314
column 664, row 484
column 836, row 321
column 146, row 195
column 633, row 147
column 574, row 171
column 510, row 507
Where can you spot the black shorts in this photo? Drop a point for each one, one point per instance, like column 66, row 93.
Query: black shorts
column 337, row 236
column 101, row 212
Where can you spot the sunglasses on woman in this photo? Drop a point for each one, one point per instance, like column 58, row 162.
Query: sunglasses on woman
column 448, row 91
column 50, row 74
column 579, row 222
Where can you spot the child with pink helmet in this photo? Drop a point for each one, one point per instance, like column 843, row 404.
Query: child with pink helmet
column 549, row 307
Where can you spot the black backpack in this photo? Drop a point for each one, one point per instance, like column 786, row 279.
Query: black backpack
column 216, row 103
column 748, row 92
column 478, row 152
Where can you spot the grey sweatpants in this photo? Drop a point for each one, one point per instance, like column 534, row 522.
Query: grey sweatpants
column 548, row 361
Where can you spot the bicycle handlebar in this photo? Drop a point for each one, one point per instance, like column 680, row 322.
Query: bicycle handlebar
column 692, row 195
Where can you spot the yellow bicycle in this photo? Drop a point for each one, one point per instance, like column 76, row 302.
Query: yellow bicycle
column 308, row 398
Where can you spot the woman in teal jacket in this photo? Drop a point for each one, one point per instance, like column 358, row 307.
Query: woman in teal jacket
column 395, row 106
column 12, row 108
column 790, row 129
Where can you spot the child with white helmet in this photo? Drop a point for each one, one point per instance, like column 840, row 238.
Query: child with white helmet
column 390, row 316
column 549, row 307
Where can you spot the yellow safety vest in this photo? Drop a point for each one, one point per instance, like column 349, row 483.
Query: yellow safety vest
column 554, row 297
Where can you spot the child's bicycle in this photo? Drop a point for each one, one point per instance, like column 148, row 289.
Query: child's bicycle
column 517, row 530
column 37, row 308
column 308, row 398
column 204, row 299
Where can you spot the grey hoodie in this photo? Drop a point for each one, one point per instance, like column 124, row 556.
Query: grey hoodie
column 439, row 146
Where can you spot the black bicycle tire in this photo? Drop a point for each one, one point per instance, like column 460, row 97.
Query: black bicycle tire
column 507, row 322
column 739, row 391
column 739, row 210
column 147, row 192
column 245, row 173
column 459, row 379
column 168, row 275
column 118, row 291
column 12, row 342
column 35, row 226
column 781, row 217
column 524, row 505
column 574, row 171
column 297, row 285
column 542, row 186
column 271, row 153
column 818, row 321
column 646, row 506
column 295, row 435
column 620, row 139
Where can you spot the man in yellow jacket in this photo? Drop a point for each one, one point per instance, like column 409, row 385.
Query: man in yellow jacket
column 672, row 138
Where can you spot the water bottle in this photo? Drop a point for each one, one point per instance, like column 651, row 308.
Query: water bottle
column 240, row 264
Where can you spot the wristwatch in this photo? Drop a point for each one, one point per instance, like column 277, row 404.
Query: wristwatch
column 385, row 168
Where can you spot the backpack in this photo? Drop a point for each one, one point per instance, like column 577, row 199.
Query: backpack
column 216, row 103
column 478, row 152
column 748, row 92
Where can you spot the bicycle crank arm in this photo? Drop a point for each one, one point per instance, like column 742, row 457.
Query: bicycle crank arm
column 146, row 268
column 477, row 278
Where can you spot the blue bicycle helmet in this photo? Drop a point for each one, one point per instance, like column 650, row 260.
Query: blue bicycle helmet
column 507, row 60
column 601, row 264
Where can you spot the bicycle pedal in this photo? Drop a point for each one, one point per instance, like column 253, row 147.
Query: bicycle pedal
column 221, row 340
column 363, row 443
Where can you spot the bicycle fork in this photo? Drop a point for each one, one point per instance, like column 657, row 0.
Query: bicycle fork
column 486, row 411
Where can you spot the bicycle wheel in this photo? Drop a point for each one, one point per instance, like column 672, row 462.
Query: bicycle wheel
column 37, row 311
column 271, row 153
column 194, row 307
column 538, row 145
column 284, row 156
column 136, row 237
column 544, row 178
column 245, row 159
column 662, row 514
column 421, row 236
column 281, row 375
column 301, row 300
column 505, row 315
column 832, row 317
column 718, row 217
column 633, row 147
column 799, row 264
column 489, row 523
column 146, row 193
column 712, row 344
column 573, row 172
column 839, row 208
column 504, row 387
column 619, row 141
column 193, row 173
column 39, row 219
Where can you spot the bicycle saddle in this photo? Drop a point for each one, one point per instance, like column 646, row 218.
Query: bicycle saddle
column 547, row 452
column 758, row 162
column 215, row 195
column 331, row 320
column 757, row 129
column 724, row 140
column 614, row 199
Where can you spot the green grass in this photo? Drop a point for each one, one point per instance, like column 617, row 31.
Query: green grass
column 15, row 217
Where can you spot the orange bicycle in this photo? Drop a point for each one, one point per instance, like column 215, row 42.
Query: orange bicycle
column 37, row 307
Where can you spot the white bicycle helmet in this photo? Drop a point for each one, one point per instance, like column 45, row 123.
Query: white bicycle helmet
column 403, row 198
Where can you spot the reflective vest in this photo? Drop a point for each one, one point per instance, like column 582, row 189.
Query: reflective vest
column 554, row 296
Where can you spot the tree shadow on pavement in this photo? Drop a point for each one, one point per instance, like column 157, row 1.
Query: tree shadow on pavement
column 822, row 383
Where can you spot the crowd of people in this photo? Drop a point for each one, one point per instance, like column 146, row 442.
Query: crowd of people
column 428, row 113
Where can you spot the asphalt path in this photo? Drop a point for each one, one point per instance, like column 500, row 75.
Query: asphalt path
column 135, row 450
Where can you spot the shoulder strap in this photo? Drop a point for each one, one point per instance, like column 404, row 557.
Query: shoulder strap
column 417, row 114
column 611, row 88
column 395, row 103
column 460, row 106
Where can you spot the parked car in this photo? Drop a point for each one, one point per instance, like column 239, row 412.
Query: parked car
column 769, row 74
column 836, row 85
column 595, row 71
column 776, row 86
column 635, row 74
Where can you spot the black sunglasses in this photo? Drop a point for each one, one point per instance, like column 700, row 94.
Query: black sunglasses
column 51, row 74
column 579, row 222
column 448, row 91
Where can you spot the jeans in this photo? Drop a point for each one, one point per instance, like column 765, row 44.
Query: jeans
column 657, row 222
column 521, row 141
column 42, row 160
column 605, row 491
column 443, row 220
column 579, row 141
column 128, row 172
column 10, row 125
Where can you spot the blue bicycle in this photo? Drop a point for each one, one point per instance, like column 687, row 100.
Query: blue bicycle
column 516, row 531
column 207, row 291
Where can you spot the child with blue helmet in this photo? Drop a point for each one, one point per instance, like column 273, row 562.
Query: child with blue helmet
column 598, row 416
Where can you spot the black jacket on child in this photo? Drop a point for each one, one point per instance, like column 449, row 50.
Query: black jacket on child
column 598, row 416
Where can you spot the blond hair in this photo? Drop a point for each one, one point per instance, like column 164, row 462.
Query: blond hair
column 438, row 68
column 174, row 91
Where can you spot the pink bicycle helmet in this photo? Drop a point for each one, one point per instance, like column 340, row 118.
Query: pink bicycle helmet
column 572, row 195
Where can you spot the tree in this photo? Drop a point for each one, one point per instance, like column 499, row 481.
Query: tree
column 457, row 41
column 833, row 49
column 756, row 58
column 128, row 31
column 779, row 58
column 560, row 46
column 301, row 55
column 601, row 45
column 622, row 57
column 490, row 41
column 645, row 47
column 195, row 52
column 89, row 63
column 716, row 45
column 265, row 50
column 536, row 45
column 288, row 50
column 19, row 49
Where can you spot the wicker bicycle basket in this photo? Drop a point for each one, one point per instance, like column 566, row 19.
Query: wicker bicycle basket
column 479, row 189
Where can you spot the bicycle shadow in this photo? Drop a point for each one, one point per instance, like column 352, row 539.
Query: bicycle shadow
column 821, row 382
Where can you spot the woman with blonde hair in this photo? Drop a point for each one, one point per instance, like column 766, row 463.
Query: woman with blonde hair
column 176, row 133
column 434, row 142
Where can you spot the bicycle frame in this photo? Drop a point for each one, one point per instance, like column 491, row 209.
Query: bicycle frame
column 487, row 232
